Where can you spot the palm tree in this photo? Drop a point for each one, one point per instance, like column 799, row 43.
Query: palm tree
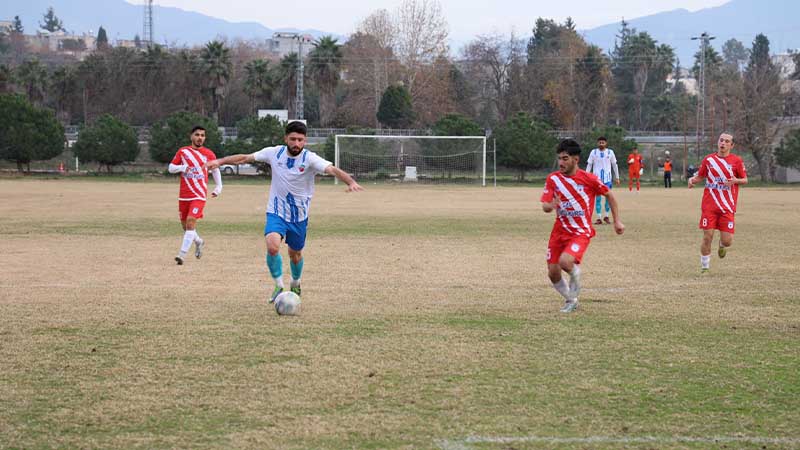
column 258, row 84
column 217, row 67
column 32, row 76
column 325, row 65
column 62, row 89
column 287, row 80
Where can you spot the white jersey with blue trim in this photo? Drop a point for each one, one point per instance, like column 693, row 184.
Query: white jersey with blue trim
column 292, row 181
column 601, row 163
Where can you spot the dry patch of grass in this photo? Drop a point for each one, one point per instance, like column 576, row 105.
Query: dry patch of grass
column 427, row 317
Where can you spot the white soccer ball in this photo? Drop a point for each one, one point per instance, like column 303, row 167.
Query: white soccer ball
column 666, row 152
column 287, row 304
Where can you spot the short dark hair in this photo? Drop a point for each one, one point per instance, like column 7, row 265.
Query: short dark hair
column 296, row 127
column 570, row 146
column 197, row 127
column 602, row 138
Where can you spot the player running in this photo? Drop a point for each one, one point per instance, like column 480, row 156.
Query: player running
column 635, row 168
column 600, row 162
column 293, row 171
column 724, row 172
column 570, row 192
column 190, row 163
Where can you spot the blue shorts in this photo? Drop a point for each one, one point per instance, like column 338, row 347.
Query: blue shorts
column 294, row 233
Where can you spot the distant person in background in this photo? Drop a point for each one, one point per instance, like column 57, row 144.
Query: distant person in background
column 724, row 172
column 635, row 169
column 190, row 162
column 667, row 173
column 601, row 162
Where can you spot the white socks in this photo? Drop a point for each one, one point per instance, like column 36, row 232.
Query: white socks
column 279, row 282
column 705, row 261
column 294, row 283
column 188, row 238
column 562, row 289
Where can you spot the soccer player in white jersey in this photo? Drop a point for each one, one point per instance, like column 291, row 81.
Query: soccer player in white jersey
column 190, row 163
column 601, row 162
column 724, row 172
column 570, row 193
column 293, row 171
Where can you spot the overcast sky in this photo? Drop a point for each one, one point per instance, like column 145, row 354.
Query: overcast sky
column 466, row 18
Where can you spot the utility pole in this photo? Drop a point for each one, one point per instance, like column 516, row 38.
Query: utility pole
column 700, row 134
column 147, row 37
column 299, row 102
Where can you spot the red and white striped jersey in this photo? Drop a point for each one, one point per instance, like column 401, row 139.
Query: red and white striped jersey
column 194, row 180
column 717, row 170
column 576, row 194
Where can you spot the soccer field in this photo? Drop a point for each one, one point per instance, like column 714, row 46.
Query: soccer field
column 427, row 322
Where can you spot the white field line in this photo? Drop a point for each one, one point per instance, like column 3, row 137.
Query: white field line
column 465, row 444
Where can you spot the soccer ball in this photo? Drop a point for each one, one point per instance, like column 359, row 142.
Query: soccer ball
column 287, row 304
column 666, row 152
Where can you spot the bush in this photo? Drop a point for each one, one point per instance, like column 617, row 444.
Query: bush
column 108, row 141
column 28, row 133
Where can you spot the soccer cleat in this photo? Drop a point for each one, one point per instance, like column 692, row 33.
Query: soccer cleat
column 198, row 248
column 598, row 222
column 606, row 220
column 704, row 270
column 722, row 251
column 569, row 306
column 275, row 293
column 296, row 290
column 179, row 260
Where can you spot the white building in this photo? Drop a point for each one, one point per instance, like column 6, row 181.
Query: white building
column 283, row 43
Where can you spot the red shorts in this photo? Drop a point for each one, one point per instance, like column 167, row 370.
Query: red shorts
column 191, row 208
column 717, row 221
column 566, row 243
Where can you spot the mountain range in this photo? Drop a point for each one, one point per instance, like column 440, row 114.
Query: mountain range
column 739, row 19
column 122, row 20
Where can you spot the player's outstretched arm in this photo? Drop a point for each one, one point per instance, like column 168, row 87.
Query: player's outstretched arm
column 344, row 177
column 217, row 182
column 619, row 227
column 177, row 168
column 241, row 158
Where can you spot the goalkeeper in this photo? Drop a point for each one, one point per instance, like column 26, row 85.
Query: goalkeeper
column 635, row 169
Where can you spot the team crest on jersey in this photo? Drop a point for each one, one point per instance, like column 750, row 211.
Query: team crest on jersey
column 575, row 247
column 302, row 168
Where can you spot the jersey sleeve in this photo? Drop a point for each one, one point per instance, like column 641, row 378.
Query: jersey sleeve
column 549, row 190
column 210, row 154
column 740, row 171
column 596, row 185
column 590, row 161
column 703, row 171
column 266, row 154
column 178, row 159
column 317, row 163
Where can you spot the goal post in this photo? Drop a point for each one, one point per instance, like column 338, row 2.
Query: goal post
column 413, row 159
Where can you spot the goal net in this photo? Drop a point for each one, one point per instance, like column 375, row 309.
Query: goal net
column 413, row 159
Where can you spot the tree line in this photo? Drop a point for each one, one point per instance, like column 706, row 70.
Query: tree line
column 396, row 70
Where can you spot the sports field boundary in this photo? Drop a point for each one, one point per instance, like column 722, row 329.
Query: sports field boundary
column 466, row 443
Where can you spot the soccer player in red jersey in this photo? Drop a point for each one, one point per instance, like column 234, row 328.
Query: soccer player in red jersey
column 724, row 172
column 635, row 168
column 571, row 193
column 190, row 163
